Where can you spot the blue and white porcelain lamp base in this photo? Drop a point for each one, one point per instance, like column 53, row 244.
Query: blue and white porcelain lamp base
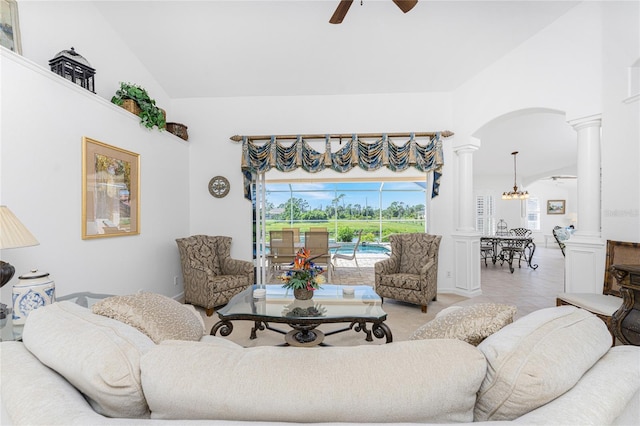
column 34, row 290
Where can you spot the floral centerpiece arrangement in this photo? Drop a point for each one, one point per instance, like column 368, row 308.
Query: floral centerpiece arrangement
column 305, row 277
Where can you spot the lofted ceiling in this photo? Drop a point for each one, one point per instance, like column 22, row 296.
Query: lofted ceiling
column 289, row 48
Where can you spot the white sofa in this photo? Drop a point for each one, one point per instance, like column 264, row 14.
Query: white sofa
column 554, row 366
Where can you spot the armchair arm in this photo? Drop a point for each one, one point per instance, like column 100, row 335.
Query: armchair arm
column 425, row 269
column 236, row 267
column 386, row 266
column 429, row 279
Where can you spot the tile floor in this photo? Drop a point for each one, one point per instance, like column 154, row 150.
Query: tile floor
column 529, row 289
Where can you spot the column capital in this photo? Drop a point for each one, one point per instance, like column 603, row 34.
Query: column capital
column 465, row 148
column 588, row 121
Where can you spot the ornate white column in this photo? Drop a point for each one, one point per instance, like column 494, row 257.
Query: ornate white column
column 466, row 212
column 589, row 185
column 466, row 241
column 585, row 251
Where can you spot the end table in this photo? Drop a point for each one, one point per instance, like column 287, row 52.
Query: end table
column 625, row 322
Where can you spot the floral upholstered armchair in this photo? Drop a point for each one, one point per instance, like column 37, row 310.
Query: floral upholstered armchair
column 211, row 276
column 411, row 273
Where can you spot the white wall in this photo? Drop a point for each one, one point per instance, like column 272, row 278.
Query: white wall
column 560, row 68
column 213, row 121
column 44, row 118
column 48, row 27
column 621, row 124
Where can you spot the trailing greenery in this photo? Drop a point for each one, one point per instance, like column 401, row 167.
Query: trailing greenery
column 150, row 114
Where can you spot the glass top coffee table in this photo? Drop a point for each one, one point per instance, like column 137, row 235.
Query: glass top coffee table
column 328, row 305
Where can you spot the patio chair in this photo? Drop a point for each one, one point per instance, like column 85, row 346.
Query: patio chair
column 318, row 229
column 211, row 277
column 296, row 234
column 352, row 255
column 318, row 245
column 411, row 272
column 281, row 248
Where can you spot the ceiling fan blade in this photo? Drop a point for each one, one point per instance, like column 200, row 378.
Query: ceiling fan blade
column 340, row 12
column 405, row 5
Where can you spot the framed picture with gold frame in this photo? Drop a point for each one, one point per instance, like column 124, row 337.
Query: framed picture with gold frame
column 555, row 206
column 110, row 190
column 10, row 26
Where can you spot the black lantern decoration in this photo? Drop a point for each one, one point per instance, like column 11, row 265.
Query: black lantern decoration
column 74, row 67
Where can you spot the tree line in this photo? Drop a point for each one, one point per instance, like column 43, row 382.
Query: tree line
column 299, row 209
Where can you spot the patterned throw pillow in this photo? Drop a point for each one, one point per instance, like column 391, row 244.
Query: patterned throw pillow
column 157, row 316
column 471, row 324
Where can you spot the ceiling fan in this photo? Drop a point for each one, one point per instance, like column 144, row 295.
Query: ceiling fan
column 559, row 178
column 344, row 5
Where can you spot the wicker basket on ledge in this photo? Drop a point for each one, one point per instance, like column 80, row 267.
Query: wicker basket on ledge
column 180, row 130
column 131, row 106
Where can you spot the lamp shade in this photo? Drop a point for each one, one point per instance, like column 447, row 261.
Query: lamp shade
column 13, row 233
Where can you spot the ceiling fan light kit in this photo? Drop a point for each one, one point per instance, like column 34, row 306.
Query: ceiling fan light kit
column 344, row 5
column 515, row 194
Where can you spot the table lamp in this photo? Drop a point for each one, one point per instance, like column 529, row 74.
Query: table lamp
column 13, row 234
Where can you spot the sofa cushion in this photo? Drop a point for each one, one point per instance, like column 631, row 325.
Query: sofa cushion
column 98, row 355
column 157, row 316
column 395, row 382
column 471, row 324
column 538, row 358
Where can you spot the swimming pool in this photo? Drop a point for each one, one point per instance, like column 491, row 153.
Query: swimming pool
column 371, row 248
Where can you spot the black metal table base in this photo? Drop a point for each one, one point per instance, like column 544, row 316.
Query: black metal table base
column 507, row 250
column 305, row 334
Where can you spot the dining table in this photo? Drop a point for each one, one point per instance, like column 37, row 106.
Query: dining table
column 505, row 248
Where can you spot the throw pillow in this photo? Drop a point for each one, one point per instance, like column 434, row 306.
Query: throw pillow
column 538, row 358
column 471, row 324
column 157, row 316
column 99, row 356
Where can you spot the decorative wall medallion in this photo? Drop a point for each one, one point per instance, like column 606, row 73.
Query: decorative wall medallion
column 219, row 186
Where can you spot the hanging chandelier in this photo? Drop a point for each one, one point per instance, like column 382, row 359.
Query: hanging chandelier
column 515, row 194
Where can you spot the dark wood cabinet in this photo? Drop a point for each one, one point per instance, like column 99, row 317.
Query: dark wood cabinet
column 625, row 322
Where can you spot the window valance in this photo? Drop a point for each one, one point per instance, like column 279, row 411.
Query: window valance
column 260, row 156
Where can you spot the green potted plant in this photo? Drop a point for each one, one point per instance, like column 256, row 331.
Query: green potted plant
column 150, row 115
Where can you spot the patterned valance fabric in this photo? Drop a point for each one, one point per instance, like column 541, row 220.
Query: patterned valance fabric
column 260, row 157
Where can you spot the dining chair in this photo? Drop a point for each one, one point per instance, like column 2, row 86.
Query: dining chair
column 318, row 245
column 487, row 251
column 352, row 255
column 561, row 235
column 281, row 248
column 520, row 232
column 296, row 234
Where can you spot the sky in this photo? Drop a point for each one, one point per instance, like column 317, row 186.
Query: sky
column 320, row 195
